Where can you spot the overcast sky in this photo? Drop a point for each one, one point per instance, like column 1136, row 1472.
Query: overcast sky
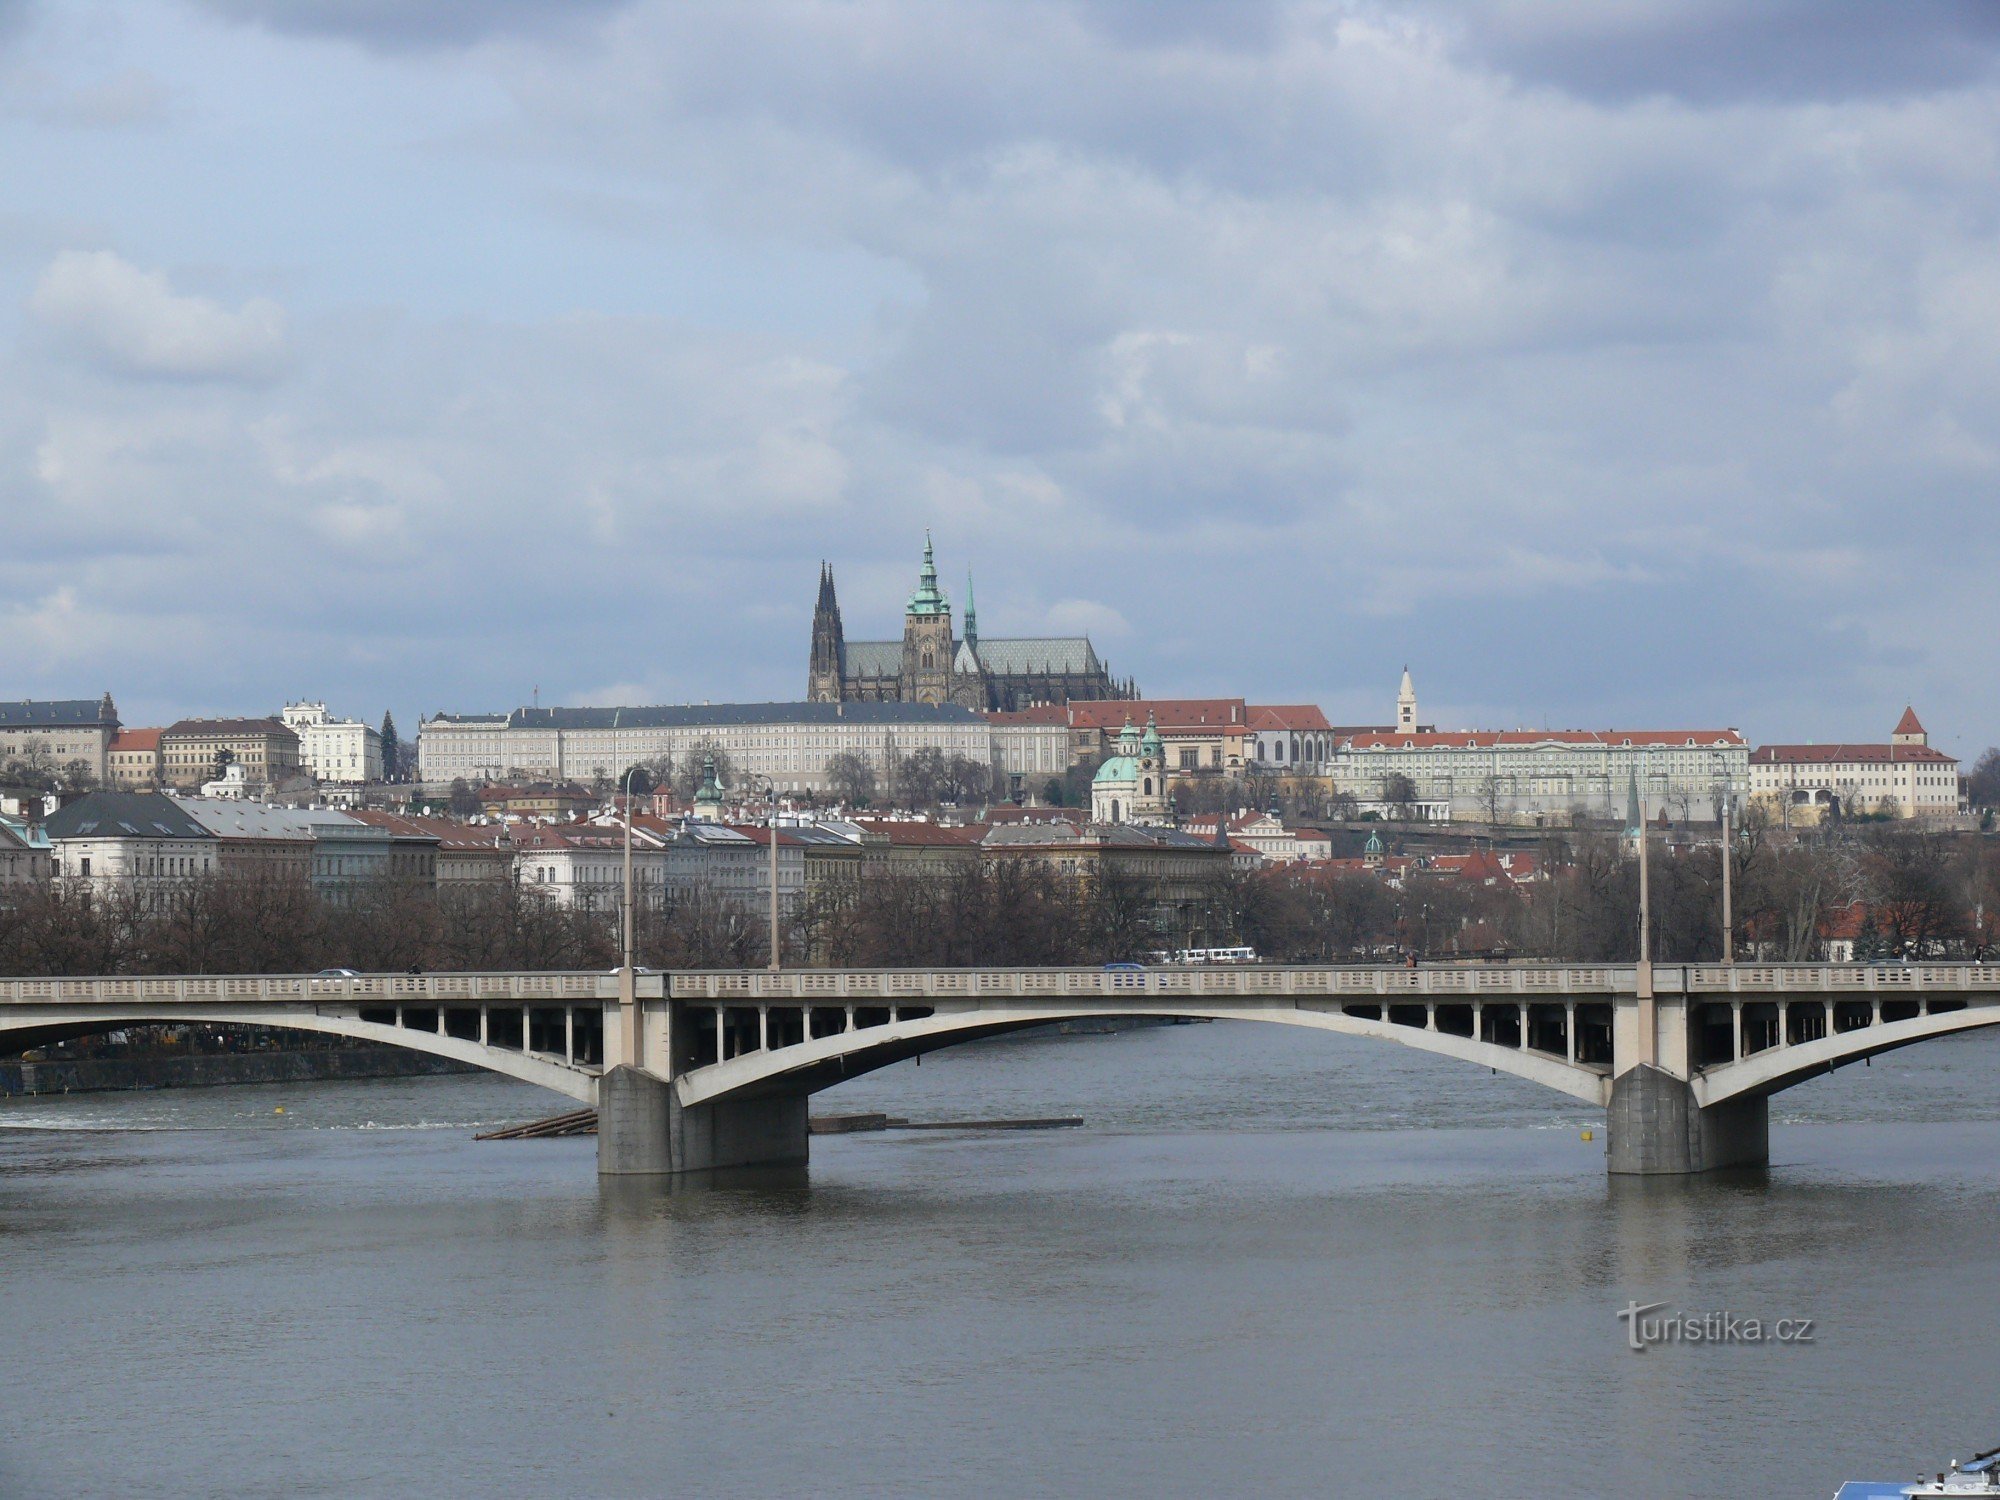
column 1632, row 364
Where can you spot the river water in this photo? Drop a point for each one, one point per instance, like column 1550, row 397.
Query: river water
column 1271, row 1263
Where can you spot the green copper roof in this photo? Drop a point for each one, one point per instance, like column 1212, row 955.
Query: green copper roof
column 1118, row 768
column 928, row 599
column 1151, row 744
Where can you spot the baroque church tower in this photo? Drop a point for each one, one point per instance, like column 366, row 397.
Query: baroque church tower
column 829, row 644
column 927, row 638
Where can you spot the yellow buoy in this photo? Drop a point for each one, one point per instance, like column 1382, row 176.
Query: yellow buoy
column 281, row 1109
column 1589, row 1135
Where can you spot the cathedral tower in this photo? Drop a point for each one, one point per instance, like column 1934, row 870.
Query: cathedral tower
column 829, row 645
column 927, row 639
column 1406, row 706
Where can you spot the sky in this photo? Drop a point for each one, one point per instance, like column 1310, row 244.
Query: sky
column 1634, row 364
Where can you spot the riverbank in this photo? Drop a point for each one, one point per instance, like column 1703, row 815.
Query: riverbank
column 89, row 1075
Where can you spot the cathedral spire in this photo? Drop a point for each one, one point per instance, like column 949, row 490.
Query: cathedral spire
column 827, row 670
column 928, row 599
column 971, row 614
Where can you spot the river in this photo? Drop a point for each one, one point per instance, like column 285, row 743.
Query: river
column 1269, row 1264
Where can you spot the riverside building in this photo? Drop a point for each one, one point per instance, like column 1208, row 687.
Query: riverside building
column 1540, row 777
column 792, row 743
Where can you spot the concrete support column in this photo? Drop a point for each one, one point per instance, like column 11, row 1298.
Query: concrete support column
column 569, row 1034
column 1431, row 1016
column 1784, row 1036
column 1658, row 1130
column 721, row 1035
column 1875, row 1010
column 484, row 1028
column 1736, row 1027
column 850, row 1019
column 1829, row 1018
column 1479, row 1020
column 1569, row 1030
column 642, row 1130
column 763, row 1028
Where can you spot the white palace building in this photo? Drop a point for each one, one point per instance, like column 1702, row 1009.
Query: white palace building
column 1540, row 777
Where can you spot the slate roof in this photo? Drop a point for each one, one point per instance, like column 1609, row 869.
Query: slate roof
column 228, row 818
column 60, row 713
column 124, row 815
column 1022, row 656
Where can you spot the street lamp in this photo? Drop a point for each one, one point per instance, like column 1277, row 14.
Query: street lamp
column 1728, row 859
column 628, row 985
column 771, row 830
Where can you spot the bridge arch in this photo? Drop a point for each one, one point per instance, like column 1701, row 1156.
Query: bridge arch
column 26, row 1027
column 811, row 1064
column 1773, row 1069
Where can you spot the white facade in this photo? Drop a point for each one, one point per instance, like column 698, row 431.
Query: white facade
column 340, row 752
column 25, row 857
column 1548, row 776
column 1030, row 748
column 584, row 865
column 1905, row 778
column 789, row 742
column 110, row 858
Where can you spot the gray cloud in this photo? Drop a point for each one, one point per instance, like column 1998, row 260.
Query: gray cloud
column 1720, row 51
column 412, row 25
column 1302, row 346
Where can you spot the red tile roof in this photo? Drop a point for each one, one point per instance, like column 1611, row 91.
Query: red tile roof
column 1908, row 723
column 930, row 835
column 1301, row 716
column 136, row 739
column 1169, row 713
column 1820, row 755
column 1487, row 739
column 1047, row 713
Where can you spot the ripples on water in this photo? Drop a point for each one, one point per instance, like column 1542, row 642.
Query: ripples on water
column 1271, row 1263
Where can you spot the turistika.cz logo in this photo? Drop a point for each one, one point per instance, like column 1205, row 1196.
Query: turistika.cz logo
column 1647, row 1323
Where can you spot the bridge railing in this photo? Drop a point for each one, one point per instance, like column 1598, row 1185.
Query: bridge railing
column 1837, row 979
column 141, row 989
column 1247, row 980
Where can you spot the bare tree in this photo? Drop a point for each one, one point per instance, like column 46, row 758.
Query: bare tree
column 1982, row 782
column 687, row 778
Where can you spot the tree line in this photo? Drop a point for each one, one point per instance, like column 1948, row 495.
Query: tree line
column 1920, row 894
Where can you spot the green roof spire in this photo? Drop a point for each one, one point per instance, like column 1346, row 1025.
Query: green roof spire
column 971, row 612
column 928, row 599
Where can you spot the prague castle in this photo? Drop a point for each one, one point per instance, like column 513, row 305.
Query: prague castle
column 932, row 664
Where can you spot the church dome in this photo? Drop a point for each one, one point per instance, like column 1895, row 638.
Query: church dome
column 1117, row 768
column 1373, row 846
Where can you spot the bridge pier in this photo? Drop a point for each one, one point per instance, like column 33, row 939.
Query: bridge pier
column 1657, row 1129
column 643, row 1130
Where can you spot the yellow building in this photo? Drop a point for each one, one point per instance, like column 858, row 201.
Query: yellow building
column 194, row 752
column 1803, row 784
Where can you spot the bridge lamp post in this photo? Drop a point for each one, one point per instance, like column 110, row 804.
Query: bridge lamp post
column 628, row 985
column 771, row 830
column 1728, row 859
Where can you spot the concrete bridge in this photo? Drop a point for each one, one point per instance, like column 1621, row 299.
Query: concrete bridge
column 693, row 1071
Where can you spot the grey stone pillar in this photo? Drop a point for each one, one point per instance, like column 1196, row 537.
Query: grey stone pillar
column 643, row 1130
column 633, row 1110
column 1657, row 1129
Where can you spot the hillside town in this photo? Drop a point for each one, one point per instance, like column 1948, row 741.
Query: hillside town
column 944, row 757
